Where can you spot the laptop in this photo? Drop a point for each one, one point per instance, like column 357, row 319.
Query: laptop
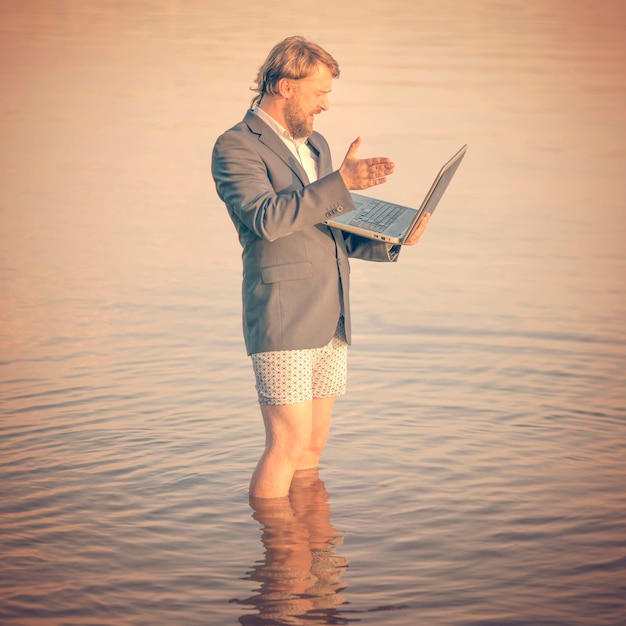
column 389, row 222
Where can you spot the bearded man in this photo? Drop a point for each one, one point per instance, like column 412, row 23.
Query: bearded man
column 275, row 175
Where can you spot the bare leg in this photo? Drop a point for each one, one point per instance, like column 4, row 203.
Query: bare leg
column 322, row 413
column 287, row 436
column 295, row 435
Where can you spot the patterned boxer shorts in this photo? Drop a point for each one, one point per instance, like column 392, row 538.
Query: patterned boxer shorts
column 291, row 376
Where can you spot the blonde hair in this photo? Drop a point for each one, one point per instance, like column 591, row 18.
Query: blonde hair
column 294, row 57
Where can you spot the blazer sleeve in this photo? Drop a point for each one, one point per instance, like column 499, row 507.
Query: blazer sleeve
column 246, row 175
column 370, row 250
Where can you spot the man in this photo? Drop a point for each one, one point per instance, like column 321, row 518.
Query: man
column 274, row 174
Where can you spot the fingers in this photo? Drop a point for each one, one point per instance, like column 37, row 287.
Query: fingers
column 372, row 182
column 363, row 173
column 380, row 166
column 375, row 171
column 419, row 231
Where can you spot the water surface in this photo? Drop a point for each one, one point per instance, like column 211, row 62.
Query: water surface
column 475, row 470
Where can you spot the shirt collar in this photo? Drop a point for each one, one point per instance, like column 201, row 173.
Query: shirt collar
column 280, row 130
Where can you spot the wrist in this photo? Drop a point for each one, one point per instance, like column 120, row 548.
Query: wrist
column 344, row 178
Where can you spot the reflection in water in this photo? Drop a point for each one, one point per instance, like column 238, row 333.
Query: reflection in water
column 300, row 574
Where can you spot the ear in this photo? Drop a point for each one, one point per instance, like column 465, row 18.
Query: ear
column 286, row 87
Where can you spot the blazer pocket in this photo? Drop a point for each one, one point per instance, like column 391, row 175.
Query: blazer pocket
column 287, row 271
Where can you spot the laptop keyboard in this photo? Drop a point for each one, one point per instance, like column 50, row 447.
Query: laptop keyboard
column 377, row 216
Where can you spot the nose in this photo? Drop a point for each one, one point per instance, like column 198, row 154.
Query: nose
column 324, row 103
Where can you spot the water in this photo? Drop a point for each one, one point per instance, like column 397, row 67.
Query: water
column 475, row 470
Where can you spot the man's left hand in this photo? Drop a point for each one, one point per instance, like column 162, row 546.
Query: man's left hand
column 419, row 231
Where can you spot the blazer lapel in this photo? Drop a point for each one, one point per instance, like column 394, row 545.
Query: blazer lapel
column 275, row 143
column 324, row 161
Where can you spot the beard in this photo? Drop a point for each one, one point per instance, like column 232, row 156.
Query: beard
column 298, row 122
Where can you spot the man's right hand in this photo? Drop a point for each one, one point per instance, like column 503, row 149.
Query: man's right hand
column 363, row 173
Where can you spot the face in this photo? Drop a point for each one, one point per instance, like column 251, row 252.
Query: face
column 308, row 98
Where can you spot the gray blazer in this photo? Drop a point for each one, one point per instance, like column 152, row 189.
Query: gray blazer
column 296, row 274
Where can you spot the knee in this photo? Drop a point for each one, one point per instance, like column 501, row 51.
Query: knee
column 315, row 446
column 288, row 430
column 289, row 449
column 297, row 448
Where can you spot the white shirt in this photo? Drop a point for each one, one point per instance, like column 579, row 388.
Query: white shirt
column 299, row 147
